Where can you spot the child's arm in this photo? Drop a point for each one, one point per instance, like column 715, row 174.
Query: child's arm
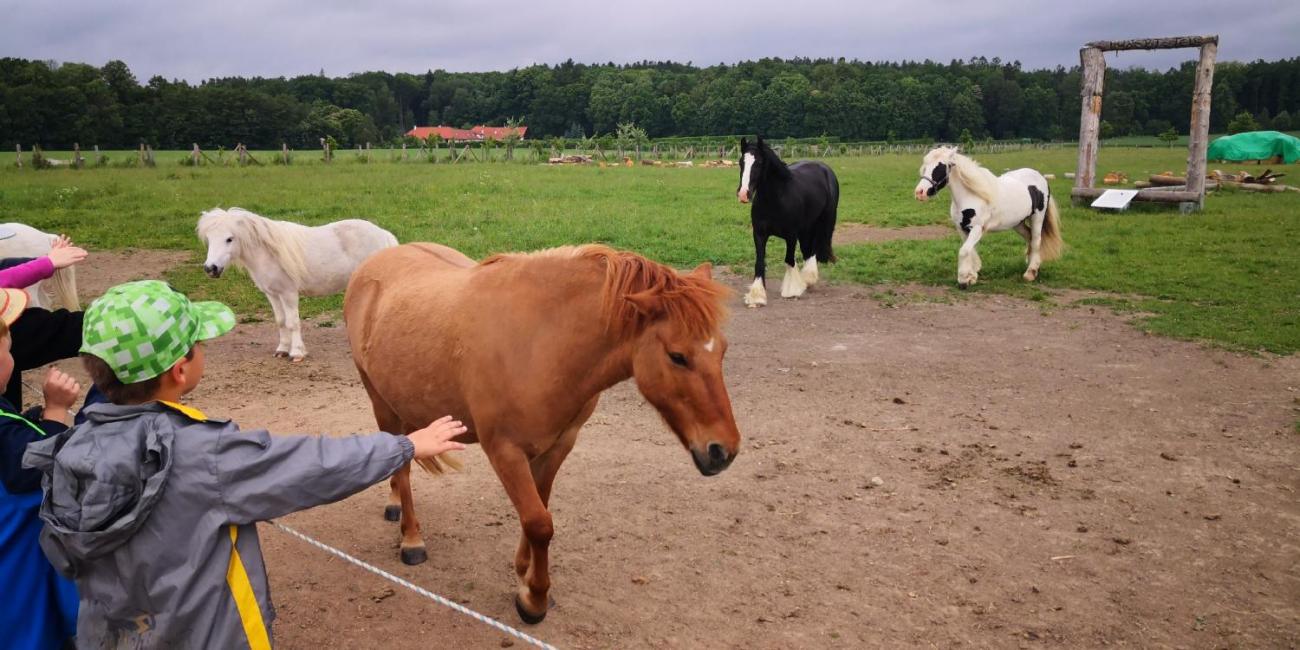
column 261, row 476
column 62, row 254
column 61, row 393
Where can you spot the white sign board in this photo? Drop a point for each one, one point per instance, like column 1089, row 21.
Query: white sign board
column 1116, row 199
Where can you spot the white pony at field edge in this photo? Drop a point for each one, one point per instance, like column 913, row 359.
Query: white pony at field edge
column 60, row 290
column 982, row 202
column 287, row 259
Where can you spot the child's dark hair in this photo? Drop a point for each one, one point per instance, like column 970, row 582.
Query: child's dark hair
column 113, row 388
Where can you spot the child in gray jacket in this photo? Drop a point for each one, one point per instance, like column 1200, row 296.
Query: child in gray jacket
column 150, row 505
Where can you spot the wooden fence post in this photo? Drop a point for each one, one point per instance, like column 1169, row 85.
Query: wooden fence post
column 1094, row 73
column 99, row 160
column 1199, row 138
column 196, row 156
column 325, row 147
column 19, row 149
column 284, row 152
column 140, row 155
column 77, row 161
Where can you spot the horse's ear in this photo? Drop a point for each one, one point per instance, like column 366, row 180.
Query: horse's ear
column 743, row 143
column 760, row 141
column 704, row 270
column 647, row 303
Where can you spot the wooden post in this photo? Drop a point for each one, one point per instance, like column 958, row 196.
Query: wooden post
column 98, row 159
column 148, row 152
column 141, row 154
column 77, row 161
column 196, row 156
column 284, row 152
column 243, row 154
column 325, row 147
column 368, row 152
column 1094, row 73
column 19, row 149
column 1200, row 126
column 403, row 151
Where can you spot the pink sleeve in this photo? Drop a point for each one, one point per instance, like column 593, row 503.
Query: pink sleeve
column 25, row 275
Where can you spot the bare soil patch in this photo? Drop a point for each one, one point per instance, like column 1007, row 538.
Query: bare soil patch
column 858, row 233
column 1056, row 480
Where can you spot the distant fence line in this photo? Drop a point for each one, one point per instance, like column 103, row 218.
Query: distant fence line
column 529, row 152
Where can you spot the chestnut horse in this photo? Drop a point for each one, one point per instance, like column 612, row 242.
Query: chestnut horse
column 519, row 348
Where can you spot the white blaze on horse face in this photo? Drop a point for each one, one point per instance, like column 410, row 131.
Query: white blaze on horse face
column 708, row 346
column 923, row 185
column 743, row 192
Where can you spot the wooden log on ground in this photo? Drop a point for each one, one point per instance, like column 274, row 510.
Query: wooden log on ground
column 1159, row 195
column 1167, row 180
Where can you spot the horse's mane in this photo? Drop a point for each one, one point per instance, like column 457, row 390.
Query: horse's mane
column 281, row 239
column 772, row 162
column 694, row 302
column 974, row 177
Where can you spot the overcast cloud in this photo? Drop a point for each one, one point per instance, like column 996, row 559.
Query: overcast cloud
column 200, row 40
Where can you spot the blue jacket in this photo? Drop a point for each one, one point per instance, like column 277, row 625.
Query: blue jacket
column 38, row 610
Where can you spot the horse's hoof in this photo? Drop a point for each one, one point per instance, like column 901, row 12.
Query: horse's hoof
column 530, row 618
column 392, row 513
column 296, row 359
column 416, row 555
column 1031, row 275
column 281, row 355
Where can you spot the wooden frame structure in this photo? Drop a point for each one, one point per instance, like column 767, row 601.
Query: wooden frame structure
column 1189, row 197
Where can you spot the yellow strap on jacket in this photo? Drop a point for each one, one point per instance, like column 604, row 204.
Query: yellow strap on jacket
column 250, row 615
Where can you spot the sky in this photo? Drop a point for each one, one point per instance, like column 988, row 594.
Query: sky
column 184, row 39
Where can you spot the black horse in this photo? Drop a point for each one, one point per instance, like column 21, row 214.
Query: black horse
column 793, row 202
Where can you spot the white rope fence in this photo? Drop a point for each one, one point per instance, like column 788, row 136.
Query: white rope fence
column 418, row 589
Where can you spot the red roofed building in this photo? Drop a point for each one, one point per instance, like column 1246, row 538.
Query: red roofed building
column 476, row 134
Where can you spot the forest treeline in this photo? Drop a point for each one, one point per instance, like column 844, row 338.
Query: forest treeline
column 55, row 105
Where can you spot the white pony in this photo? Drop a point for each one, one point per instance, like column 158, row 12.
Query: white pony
column 286, row 259
column 60, row 290
column 982, row 202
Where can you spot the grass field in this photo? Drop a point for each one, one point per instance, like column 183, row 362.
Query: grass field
column 1228, row 274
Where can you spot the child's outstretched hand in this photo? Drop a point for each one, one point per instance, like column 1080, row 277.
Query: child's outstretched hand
column 63, row 254
column 61, row 392
column 436, row 438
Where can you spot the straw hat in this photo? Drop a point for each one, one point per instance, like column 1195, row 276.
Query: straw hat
column 12, row 304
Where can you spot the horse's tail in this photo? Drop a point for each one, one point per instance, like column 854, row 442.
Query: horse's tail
column 1051, row 244
column 63, row 286
column 440, row 464
column 825, row 254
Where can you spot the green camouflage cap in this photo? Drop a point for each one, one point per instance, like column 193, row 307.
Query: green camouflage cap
column 141, row 329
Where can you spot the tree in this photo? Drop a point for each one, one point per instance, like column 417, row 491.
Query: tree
column 965, row 115
column 1243, row 122
column 1169, row 137
column 1282, row 121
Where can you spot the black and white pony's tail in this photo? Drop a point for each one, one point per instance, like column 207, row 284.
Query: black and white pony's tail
column 1052, row 245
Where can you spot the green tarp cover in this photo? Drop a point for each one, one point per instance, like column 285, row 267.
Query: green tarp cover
column 1255, row 145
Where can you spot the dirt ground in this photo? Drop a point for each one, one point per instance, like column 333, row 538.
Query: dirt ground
column 980, row 474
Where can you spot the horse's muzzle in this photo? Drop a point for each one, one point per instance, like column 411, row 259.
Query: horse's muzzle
column 712, row 461
column 212, row 270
